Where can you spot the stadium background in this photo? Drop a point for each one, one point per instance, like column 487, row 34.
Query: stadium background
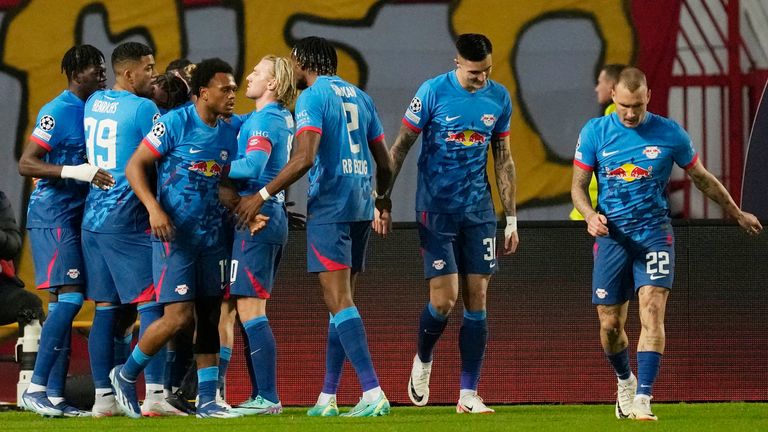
column 706, row 62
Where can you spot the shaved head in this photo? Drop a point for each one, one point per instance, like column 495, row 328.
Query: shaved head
column 632, row 79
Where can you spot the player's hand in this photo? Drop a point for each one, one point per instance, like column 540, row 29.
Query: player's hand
column 161, row 225
column 228, row 196
column 597, row 225
column 382, row 222
column 750, row 224
column 258, row 224
column 103, row 179
column 248, row 208
column 510, row 243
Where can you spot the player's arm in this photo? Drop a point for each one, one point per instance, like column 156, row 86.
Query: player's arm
column 143, row 160
column 247, row 167
column 596, row 222
column 382, row 221
column 712, row 188
column 307, row 144
column 31, row 164
column 504, row 166
column 403, row 143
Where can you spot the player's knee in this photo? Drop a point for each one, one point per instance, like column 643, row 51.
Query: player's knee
column 611, row 327
column 178, row 319
column 444, row 306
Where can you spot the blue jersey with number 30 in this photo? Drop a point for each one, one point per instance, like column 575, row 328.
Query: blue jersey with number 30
column 115, row 122
column 340, row 181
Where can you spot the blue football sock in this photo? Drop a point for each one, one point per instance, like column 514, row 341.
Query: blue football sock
column 648, row 363
column 225, row 354
column 353, row 339
column 248, row 362
column 263, row 356
column 154, row 372
column 57, row 379
column 473, row 338
column 431, row 326
column 136, row 363
column 101, row 344
column 122, row 348
column 334, row 360
column 620, row 363
column 53, row 336
column 206, row 384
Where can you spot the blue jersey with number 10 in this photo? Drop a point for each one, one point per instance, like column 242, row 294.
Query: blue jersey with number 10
column 115, row 123
column 340, row 181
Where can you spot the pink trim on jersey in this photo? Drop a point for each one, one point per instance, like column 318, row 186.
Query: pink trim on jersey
column 424, row 218
column 410, row 126
column 47, row 284
column 147, row 295
column 582, row 165
column 160, row 284
column 58, row 233
column 257, row 142
column 227, row 293
column 329, row 264
column 260, row 291
column 595, row 247
column 501, row 135
column 692, row 163
column 377, row 139
column 151, row 148
column 40, row 142
column 309, row 128
column 242, row 246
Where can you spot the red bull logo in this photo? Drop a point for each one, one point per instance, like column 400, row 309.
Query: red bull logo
column 466, row 138
column 629, row 172
column 207, row 168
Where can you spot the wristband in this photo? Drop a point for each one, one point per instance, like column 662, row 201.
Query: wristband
column 83, row 172
column 264, row 194
column 511, row 226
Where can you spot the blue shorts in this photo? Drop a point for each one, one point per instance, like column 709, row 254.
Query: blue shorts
column 184, row 272
column 623, row 265
column 254, row 265
column 463, row 243
column 58, row 257
column 119, row 267
column 337, row 246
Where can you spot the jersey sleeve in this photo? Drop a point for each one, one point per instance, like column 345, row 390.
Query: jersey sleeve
column 585, row 156
column 501, row 128
column 419, row 110
column 160, row 138
column 309, row 112
column 51, row 126
column 146, row 116
column 258, row 147
column 684, row 154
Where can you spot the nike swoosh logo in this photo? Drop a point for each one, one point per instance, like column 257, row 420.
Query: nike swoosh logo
column 415, row 396
column 606, row 154
column 448, row 118
column 493, row 265
column 193, row 151
column 654, row 277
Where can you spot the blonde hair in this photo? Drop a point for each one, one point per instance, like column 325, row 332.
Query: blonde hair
column 286, row 91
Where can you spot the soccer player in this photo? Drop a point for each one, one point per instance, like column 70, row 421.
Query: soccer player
column 632, row 152
column 264, row 145
column 170, row 91
column 55, row 154
column 190, row 239
column 116, row 241
column 338, row 134
column 607, row 78
column 462, row 113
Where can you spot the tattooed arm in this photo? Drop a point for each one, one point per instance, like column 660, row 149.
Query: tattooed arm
column 505, row 181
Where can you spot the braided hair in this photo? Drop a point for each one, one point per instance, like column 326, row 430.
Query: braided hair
column 79, row 58
column 315, row 54
column 174, row 87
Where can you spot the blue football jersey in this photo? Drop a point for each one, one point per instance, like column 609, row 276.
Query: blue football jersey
column 270, row 131
column 340, row 181
column 58, row 203
column 632, row 166
column 115, row 122
column 457, row 129
column 191, row 156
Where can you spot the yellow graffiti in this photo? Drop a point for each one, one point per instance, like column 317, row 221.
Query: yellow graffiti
column 44, row 30
column 538, row 177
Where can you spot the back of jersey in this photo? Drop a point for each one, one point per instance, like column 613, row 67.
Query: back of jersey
column 115, row 122
column 340, row 182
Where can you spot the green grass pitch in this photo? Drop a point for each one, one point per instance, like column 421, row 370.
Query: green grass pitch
column 569, row 418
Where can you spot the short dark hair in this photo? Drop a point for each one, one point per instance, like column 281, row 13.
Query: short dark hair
column 79, row 58
column 130, row 51
column 613, row 70
column 178, row 64
column 205, row 71
column 316, row 54
column 474, row 46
